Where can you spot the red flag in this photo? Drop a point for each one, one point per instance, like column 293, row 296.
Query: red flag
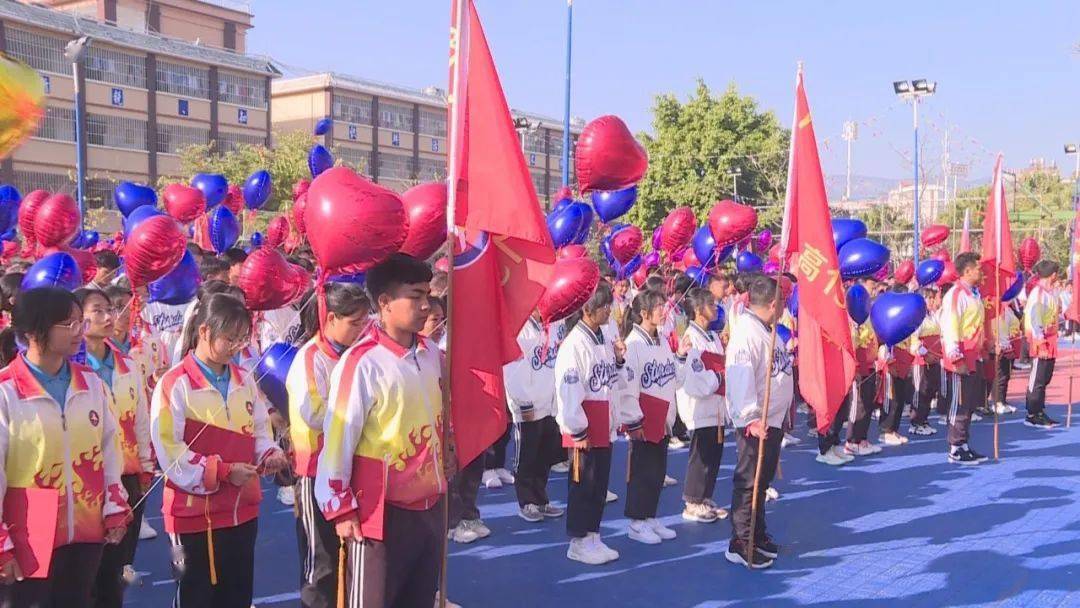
column 965, row 236
column 826, row 357
column 506, row 256
column 998, row 254
column 1073, row 312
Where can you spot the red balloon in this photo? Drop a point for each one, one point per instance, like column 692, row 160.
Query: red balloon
column 269, row 281
column 948, row 275
column 731, row 222
column 9, row 249
column 774, row 253
column 689, row 258
column 572, row 284
column 300, row 188
column 1030, row 252
column 934, row 235
column 299, row 205
column 442, row 264
column 572, row 251
column 277, row 231
column 677, row 229
column 607, row 156
column 153, row 249
column 942, row 254
column 183, row 202
column 639, row 276
column 351, row 221
column 234, row 199
column 425, row 205
column 626, row 243
column 56, row 221
column 28, row 209
column 904, row 272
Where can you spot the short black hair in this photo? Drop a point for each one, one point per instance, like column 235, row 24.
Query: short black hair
column 1045, row 268
column 38, row 310
column 234, row 256
column 107, row 258
column 654, row 282
column 965, row 261
column 762, row 290
column 117, row 291
column 83, row 294
column 10, row 285
column 696, row 299
column 899, row 288
column 682, row 283
column 399, row 269
column 9, row 348
column 210, row 266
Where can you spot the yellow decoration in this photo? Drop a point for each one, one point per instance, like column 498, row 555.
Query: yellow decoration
column 22, row 103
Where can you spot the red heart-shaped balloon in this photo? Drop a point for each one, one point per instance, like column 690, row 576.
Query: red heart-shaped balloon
column 234, row 199
column 934, row 235
column 626, row 243
column 690, row 259
column 269, row 281
column 572, row 251
column 942, row 254
column 731, row 222
column 153, row 249
column 56, row 221
column 572, row 283
column 183, row 202
column 904, row 272
column 298, row 207
column 9, row 250
column 1030, row 252
column 607, row 157
column 425, row 206
column 300, row 187
column 677, row 229
column 28, row 209
column 277, row 231
column 351, row 221
column 949, row 275
column 639, row 276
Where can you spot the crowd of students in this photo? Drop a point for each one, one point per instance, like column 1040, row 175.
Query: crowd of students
column 95, row 406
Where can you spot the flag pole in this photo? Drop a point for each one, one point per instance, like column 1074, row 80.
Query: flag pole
column 999, row 208
column 566, row 101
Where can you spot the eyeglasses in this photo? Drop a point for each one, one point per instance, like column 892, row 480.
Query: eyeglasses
column 75, row 326
column 236, row 343
column 102, row 313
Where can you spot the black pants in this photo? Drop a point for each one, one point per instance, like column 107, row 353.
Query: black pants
column 234, row 560
column 1001, row 380
column 831, row 436
column 586, row 497
column 70, row 583
column 679, row 428
column 109, row 587
column 1042, row 370
column 927, row 380
column 647, row 467
column 945, row 395
column 401, row 570
column 464, row 487
column 743, row 482
column 706, row 448
column 967, row 394
column 495, row 456
column 319, row 545
column 894, row 405
column 539, row 446
column 867, row 392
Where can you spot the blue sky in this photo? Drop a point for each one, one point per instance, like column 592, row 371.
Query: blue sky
column 1008, row 76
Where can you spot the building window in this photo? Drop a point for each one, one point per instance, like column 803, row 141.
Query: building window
column 99, row 192
column 534, row 142
column 538, row 183
column 352, row 109
column 173, row 138
column 431, row 170
column 116, row 132
column 393, row 166
column 355, row 158
column 108, row 65
column 41, row 52
column 59, row 124
column 396, row 117
column 433, row 122
column 555, row 143
column 242, row 90
column 185, row 80
column 229, row 142
column 28, row 181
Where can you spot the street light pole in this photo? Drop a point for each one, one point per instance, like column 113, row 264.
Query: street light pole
column 74, row 52
column 914, row 91
column 734, row 175
column 566, row 101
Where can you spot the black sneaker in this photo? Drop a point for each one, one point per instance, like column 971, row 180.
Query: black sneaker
column 978, row 457
column 962, row 456
column 736, row 554
column 767, row 547
column 984, row 411
column 1040, row 420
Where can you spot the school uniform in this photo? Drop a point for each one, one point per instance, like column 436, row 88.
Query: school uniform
column 746, row 366
column 1040, row 322
column 279, row 325
column 864, row 390
column 150, row 354
column 588, row 385
column 167, row 322
column 381, row 463
column 1008, row 335
column 64, row 459
column 925, row 349
column 895, row 383
column 530, row 395
column 308, row 385
column 962, row 340
column 702, row 406
column 200, row 424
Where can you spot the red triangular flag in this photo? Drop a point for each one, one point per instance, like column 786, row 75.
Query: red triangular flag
column 1073, row 312
column 998, row 254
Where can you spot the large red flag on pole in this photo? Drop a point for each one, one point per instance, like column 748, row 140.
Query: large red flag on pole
column 503, row 256
column 826, row 356
column 998, row 259
column 1073, row 312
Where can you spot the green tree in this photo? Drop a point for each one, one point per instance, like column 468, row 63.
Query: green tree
column 697, row 143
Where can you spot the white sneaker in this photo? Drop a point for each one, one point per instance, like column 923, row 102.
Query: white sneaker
column 449, row 604
column 975, row 417
column 839, row 451
column 640, row 531
column 676, row 443
column 478, row 525
column 612, row 554
column 146, row 531
column 721, row 513
column 463, row 534
column 830, row 458
column 1003, row 408
column 891, row 439
column 286, row 496
column 611, row 496
column 491, row 479
column 771, row 494
column 131, row 577
column 789, row 439
column 505, row 476
column 664, row 532
column 584, row 551
column 560, row 467
column 699, row 512
column 669, row 481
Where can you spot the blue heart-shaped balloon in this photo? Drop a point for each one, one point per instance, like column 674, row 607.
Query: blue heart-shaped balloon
column 858, row 303
column 862, row 257
column 847, row 229
column 895, row 316
column 929, row 271
column 613, row 204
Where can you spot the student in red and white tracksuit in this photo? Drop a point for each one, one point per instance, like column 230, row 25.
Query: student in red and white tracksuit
column 1041, row 316
column 964, row 345
column 589, row 380
column 926, row 373
column 702, row 406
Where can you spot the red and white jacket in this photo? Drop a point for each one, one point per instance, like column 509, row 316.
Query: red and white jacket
column 308, row 384
column 1041, row 314
column 962, row 319
column 130, row 404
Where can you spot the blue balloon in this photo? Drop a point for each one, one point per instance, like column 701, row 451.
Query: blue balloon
column 747, row 262
column 257, row 189
column 180, row 285
column 256, row 239
column 566, row 225
column 223, row 227
column 319, row 160
column 85, row 239
column 213, row 186
column 9, row 214
column 1014, row 289
column 357, row 278
column 613, row 204
column 858, row 303
column 847, row 229
column 271, row 371
column 129, row 196
column 895, row 316
column 586, row 223
column 562, row 204
column 861, row 257
column 704, row 246
column 323, row 126
column 9, row 235
column 783, row 334
column 630, row 268
column 10, row 193
column 718, row 323
column 698, row 275
column 793, row 302
column 137, row 216
column 54, row 270
column 929, row 271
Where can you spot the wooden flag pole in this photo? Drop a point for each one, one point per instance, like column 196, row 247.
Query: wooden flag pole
column 1068, row 409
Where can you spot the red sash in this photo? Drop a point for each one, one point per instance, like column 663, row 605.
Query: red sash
column 599, row 432
column 715, row 363
column 368, row 484
column 654, row 417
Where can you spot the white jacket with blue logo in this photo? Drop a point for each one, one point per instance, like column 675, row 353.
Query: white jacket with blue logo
column 698, row 402
column 530, row 380
column 585, row 370
column 746, row 368
column 652, row 369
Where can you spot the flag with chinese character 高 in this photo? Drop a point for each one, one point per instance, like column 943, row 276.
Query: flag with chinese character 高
column 826, row 356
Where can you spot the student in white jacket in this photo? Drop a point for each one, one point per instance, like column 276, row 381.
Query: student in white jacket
column 747, row 377
column 530, row 393
column 702, row 406
column 589, row 379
